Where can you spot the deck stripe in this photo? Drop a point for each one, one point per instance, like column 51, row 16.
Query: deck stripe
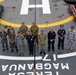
column 1, row 1
column 40, row 25
column 66, row 55
column 20, row 58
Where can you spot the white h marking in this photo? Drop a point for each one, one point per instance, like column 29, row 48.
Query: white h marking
column 25, row 6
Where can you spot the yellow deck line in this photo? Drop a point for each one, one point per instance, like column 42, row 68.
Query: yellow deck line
column 40, row 25
column 1, row 1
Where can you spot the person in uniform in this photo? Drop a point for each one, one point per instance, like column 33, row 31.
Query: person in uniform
column 31, row 40
column 20, row 43
column 34, row 29
column 12, row 41
column 23, row 29
column 71, row 36
column 4, row 40
column 9, row 30
column 51, row 39
column 61, row 37
column 42, row 41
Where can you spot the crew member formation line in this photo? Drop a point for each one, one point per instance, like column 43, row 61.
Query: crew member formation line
column 11, row 41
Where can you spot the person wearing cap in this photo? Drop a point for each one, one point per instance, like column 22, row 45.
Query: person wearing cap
column 12, row 41
column 61, row 37
column 42, row 41
column 4, row 40
column 34, row 29
column 51, row 39
column 23, row 29
column 71, row 37
column 31, row 40
column 20, row 43
column 9, row 30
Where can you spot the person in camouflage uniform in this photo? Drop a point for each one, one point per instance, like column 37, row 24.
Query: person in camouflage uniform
column 20, row 43
column 12, row 41
column 34, row 29
column 4, row 40
column 42, row 41
column 71, row 36
column 9, row 30
column 23, row 29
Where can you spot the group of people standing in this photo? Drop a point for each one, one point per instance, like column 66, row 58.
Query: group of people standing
column 34, row 39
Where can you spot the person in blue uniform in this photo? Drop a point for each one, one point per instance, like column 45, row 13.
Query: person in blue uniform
column 51, row 39
column 31, row 40
column 61, row 37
